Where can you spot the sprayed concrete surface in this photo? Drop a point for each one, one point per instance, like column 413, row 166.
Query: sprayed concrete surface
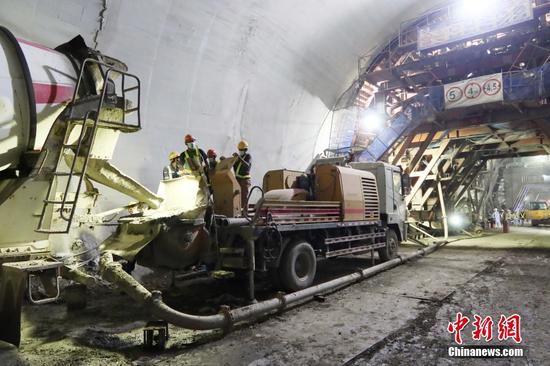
column 397, row 317
column 266, row 71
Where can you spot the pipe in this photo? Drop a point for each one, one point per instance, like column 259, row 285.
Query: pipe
column 251, row 268
column 443, row 211
column 226, row 319
column 77, row 275
column 234, row 221
column 113, row 272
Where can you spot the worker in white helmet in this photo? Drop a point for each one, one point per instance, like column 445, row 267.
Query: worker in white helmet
column 496, row 218
column 242, row 166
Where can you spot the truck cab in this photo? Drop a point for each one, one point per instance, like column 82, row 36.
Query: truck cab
column 392, row 189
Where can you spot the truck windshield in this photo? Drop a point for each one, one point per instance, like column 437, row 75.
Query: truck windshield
column 538, row 206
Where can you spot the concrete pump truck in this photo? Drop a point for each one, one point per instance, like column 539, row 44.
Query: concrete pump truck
column 62, row 111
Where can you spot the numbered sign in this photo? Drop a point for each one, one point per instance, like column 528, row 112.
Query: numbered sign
column 484, row 89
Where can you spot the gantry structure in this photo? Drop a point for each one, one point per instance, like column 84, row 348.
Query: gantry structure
column 459, row 93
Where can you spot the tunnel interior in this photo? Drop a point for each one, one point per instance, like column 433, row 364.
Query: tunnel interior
column 400, row 180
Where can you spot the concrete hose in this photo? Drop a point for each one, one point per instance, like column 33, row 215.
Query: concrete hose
column 226, row 319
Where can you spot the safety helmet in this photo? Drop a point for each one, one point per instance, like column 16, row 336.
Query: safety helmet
column 211, row 153
column 189, row 138
column 242, row 145
column 173, row 155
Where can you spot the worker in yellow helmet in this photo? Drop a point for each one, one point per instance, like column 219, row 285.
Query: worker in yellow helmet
column 172, row 170
column 242, row 166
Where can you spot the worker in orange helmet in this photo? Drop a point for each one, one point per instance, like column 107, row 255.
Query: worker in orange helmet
column 193, row 159
column 212, row 162
column 242, row 166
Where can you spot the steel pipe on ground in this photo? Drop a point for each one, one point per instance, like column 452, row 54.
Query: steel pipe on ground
column 113, row 272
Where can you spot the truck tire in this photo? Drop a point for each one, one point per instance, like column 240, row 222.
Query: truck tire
column 390, row 250
column 298, row 266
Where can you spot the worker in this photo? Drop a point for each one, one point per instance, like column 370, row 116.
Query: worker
column 496, row 218
column 522, row 217
column 242, row 166
column 506, row 217
column 173, row 169
column 193, row 160
column 212, row 162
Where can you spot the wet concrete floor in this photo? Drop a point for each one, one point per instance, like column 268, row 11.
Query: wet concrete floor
column 398, row 317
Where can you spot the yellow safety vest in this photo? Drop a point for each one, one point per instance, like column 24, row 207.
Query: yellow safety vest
column 186, row 165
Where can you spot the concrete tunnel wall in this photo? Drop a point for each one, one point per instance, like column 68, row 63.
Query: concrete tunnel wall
column 265, row 71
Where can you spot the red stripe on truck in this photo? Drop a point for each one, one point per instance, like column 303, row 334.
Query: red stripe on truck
column 37, row 45
column 52, row 93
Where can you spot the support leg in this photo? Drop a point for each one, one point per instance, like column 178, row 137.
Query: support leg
column 250, row 273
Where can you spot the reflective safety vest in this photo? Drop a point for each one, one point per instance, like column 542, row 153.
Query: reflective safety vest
column 167, row 173
column 195, row 159
column 170, row 173
column 238, row 171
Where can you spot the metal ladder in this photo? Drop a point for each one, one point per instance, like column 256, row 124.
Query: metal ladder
column 64, row 207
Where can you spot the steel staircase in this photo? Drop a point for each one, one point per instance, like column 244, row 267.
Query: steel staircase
column 65, row 185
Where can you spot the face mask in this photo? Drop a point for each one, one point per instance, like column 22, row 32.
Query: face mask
column 242, row 153
column 211, row 160
column 190, row 145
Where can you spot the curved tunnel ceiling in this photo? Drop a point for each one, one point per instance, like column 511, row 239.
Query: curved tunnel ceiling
column 266, row 71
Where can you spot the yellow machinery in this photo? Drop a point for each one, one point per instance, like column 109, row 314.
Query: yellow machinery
column 538, row 212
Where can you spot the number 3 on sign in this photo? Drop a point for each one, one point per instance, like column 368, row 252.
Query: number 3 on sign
column 472, row 90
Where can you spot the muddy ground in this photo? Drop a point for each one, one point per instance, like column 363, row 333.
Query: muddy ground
column 398, row 317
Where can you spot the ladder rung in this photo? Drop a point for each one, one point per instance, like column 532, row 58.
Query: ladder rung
column 132, row 88
column 48, row 231
column 76, row 146
column 64, row 174
column 131, row 110
column 59, row 202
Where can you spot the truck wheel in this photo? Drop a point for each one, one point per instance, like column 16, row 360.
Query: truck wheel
column 390, row 250
column 298, row 266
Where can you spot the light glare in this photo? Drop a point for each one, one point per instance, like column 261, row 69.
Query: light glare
column 373, row 121
column 456, row 220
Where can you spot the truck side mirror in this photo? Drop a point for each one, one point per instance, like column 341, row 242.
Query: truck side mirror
column 405, row 184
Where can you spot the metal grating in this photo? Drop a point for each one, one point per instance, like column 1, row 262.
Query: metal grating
column 370, row 195
column 300, row 212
